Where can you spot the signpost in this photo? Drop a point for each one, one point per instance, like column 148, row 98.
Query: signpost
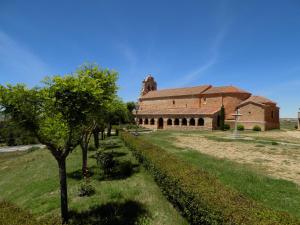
column 236, row 117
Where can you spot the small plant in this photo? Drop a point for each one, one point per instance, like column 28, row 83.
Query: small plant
column 240, row 127
column 296, row 127
column 86, row 189
column 226, row 126
column 32, row 149
column 106, row 162
column 256, row 128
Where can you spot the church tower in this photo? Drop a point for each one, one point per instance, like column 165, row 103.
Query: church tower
column 149, row 84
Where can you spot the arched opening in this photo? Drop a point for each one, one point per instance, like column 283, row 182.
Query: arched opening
column 176, row 122
column 141, row 121
column 152, row 122
column 169, row 122
column 146, row 121
column 184, row 122
column 192, row 122
column 160, row 123
column 200, row 122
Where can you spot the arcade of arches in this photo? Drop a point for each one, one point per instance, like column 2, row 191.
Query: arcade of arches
column 161, row 123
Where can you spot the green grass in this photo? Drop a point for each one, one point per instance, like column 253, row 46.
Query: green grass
column 30, row 181
column 274, row 193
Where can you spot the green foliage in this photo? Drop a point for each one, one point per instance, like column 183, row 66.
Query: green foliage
column 256, row 128
column 240, row 127
column 200, row 197
column 106, row 162
column 86, row 189
column 130, row 108
column 226, row 127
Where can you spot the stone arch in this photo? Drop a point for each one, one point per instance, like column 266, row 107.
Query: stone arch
column 152, row 121
column 176, row 122
column 184, row 122
column 146, row 121
column 192, row 122
column 140, row 121
column 200, row 122
column 160, row 123
column 169, row 122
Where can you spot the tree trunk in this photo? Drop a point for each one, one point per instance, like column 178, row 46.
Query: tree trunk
column 84, row 149
column 109, row 130
column 96, row 138
column 63, row 191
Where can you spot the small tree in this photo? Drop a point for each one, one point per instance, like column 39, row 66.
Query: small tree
column 130, row 107
column 222, row 118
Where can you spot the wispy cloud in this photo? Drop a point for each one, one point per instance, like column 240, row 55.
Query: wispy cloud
column 17, row 60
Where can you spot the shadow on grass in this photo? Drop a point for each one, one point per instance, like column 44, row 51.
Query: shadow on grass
column 77, row 174
column 114, row 154
column 127, row 213
column 121, row 170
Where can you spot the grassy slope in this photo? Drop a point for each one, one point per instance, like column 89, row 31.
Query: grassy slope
column 30, row 180
column 277, row 194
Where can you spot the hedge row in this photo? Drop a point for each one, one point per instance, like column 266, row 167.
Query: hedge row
column 13, row 215
column 199, row 196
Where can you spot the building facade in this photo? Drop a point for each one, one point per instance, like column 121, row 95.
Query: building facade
column 200, row 107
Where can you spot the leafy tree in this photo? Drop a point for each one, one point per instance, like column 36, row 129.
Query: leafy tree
column 101, row 84
column 130, row 107
column 222, row 118
column 57, row 114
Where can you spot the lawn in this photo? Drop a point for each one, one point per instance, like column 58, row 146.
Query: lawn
column 247, row 178
column 30, row 181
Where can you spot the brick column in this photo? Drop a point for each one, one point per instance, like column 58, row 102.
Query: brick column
column 180, row 122
column 188, row 122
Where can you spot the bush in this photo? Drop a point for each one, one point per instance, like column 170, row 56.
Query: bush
column 240, row 127
column 296, row 127
column 86, row 189
column 106, row 162
column 256, row 128
column 200, row 197
column 32, row 149
column 226, row 127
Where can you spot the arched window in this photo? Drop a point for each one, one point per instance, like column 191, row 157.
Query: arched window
column 152, row 122
column 184, row 122
column 146, row 121
column 176, row 122
column 192, row 122
column 169, row 122
column 200, row 122
column 160, row 123
column 141, row 121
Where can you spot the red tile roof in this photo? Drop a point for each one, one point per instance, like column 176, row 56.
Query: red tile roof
column 259, row 100
column 225, row 89
column 181, row 111
column 176, row 92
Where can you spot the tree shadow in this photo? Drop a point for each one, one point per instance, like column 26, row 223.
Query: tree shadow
column 122, row 170
column 77, row 174
column 127, row 213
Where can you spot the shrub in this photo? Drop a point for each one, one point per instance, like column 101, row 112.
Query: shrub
column 200, row 197
column 274, row 143
column 86, row 189
column 226, row 126
column 256, row 128
column 240, row 127
column 106, row 162
column 32, row 149
column 296, row 127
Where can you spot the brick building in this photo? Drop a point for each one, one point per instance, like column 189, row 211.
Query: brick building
column 199, row 107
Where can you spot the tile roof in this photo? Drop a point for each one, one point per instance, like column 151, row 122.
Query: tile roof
column 176, row 92
column 259, row 100
column 180, row 111
column 225, row 89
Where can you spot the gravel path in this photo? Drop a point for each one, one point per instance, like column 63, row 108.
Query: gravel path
column 18, row 148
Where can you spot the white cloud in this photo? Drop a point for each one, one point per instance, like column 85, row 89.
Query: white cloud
column 19, row 60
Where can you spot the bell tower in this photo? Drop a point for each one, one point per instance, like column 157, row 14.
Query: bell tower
column 149, row 84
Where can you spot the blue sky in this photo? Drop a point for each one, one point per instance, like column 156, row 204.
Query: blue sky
column 252, row 44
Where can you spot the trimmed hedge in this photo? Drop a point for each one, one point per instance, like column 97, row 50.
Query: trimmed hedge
column 200, row 197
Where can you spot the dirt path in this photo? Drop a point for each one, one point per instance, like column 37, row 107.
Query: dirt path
column 276, row 160
column 18, row 148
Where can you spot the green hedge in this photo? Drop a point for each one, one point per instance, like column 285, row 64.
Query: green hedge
column 200, row 197
column 13, row 215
